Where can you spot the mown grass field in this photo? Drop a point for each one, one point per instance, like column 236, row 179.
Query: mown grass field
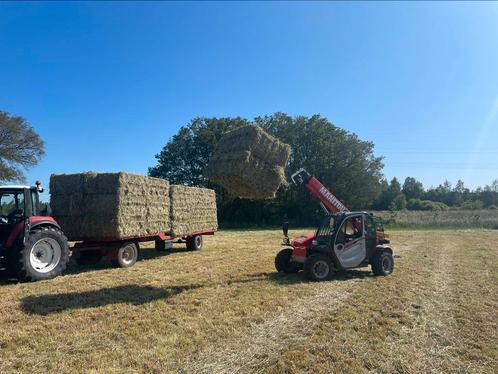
column 225, row 310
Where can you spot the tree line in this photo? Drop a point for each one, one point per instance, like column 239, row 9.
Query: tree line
column 338, row 158
column 412, row 196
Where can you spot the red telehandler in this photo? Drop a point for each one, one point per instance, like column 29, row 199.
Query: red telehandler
column 343, row 240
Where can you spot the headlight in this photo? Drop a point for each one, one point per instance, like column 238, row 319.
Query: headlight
column 314, row 242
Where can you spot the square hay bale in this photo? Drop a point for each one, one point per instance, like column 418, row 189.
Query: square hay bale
column 109, row 205
column 192, row 209
column 249, row 163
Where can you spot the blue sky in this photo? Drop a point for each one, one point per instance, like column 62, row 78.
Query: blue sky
column 107, row 84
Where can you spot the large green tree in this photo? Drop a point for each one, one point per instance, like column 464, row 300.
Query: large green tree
column 20, row 147
column 412, row 188
column 343, row 162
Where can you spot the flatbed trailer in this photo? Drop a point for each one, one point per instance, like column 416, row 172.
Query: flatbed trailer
column 124, row 252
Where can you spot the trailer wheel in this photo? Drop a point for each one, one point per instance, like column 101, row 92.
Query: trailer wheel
column 89, row 258
column 44, row 255
column 194, row 243
column 283, row 262
column 318, row 267
column 127, row 255
column 382, row 263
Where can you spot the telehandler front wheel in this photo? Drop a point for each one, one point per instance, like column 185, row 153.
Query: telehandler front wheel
column 318, row 267
column 283, row 262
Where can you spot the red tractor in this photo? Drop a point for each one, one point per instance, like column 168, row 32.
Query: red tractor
column 32, row 245
column 343, row 240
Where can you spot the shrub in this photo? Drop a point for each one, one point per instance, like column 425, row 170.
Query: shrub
column 417, row 204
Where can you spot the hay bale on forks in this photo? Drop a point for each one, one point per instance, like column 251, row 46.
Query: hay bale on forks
column 249, row 163
column 192, row 209
column 109, row 205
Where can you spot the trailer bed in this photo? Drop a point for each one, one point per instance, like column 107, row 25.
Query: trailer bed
column 124, row 252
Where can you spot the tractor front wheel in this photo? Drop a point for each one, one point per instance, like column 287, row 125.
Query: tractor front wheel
column 318, row 267
column 44, row 255
column 283, row 262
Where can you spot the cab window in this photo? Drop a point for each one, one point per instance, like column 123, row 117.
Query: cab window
column 11, row 204
column 351, row 229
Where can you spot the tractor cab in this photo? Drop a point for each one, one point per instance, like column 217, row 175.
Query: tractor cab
column 16, row 204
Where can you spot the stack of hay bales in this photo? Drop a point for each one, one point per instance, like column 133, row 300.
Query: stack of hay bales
column 192, row 209
column 109, row 205
column 249, row 163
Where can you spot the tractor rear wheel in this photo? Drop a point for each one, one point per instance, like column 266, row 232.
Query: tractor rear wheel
column 283, row 262
column 44, row 255
column 382, row 263
column 194, row 243
column 318, row 267
column 127, row 255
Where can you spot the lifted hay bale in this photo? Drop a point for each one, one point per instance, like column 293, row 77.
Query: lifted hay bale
column 109, row 205
column 192, row 209
column 249, row 163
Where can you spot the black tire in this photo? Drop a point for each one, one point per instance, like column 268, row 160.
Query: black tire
column 283, row 262
column 194, row 243
column 382, row 263
column 318, row 267
column 44, row 255
column 89, row 258
column 127, row 255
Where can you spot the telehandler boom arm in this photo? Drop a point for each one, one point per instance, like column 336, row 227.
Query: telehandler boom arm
column 302, row 177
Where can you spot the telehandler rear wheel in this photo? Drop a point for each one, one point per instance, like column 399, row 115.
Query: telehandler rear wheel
column 382, row 263
column 283, row 262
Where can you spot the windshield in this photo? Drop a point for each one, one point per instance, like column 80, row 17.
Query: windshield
column 327, row 229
